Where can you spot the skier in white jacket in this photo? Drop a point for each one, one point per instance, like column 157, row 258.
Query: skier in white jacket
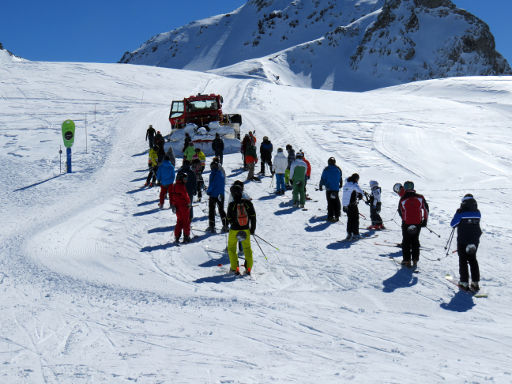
column 352, row 193
column 279, row 165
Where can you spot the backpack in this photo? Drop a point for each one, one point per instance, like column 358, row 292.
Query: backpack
column 242, row 218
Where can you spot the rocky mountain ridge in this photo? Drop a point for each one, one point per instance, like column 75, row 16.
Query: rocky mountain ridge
column 351, row 45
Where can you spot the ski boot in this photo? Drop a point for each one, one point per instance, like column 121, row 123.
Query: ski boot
column 474, row 286
column 186, row 239
column 406, row 263
column 210, row 229
column 463, row 285
column 235, row 271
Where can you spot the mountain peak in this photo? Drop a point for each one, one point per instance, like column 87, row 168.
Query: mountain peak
column 340, row 45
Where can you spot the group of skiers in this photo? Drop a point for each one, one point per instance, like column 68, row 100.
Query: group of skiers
column 292, row 171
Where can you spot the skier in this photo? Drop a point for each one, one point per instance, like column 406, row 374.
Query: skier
column 291, row 159
column 245, row 143
column 352, row 193
column 170, row 153
column 201, row 156
column 308, row 174
column 215, row 190
column 374, row 201
column 165, row 176
column 159, row 140
column 413, row 210
column 153, row 166
column 266, row 149
column 332, row 180
column 251, row 158
column 191, row 183
column 150, row 135
column 242, row 219
column 218, row 147
column 198, row 171
column 245, row 195
column 186, row 142
column 180, row 204
column 298, row 178
column 189, row 152
column 467, row 221
column 279, row 168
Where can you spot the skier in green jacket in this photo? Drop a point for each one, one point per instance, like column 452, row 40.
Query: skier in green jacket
column 298, row 177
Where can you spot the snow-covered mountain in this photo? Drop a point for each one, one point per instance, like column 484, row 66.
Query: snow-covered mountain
column 337, row 45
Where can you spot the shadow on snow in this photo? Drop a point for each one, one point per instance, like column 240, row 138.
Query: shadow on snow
column 36, row 184
column 461, row 302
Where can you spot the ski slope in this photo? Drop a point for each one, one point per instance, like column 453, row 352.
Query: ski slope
column 93, row 291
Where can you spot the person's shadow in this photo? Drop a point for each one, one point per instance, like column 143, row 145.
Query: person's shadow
column 403, row 278
column 461, row 302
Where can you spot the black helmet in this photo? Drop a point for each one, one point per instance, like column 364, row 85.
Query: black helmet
column 236, row 192
column 408, row 185
column 331, row 161
column 182, row 176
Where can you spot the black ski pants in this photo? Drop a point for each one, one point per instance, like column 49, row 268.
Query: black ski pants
column 333, row 204
column 353, row 219
column 464, row 260
column 152, row 174
column 410, row 243
column 374, row 216
column 266, row 160
column 219, row 202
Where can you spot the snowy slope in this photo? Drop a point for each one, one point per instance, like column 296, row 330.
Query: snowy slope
column 93, row 290
column 344, row 45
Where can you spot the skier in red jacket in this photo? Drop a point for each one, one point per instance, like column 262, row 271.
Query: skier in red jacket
column 180, row 203
column 413, row 210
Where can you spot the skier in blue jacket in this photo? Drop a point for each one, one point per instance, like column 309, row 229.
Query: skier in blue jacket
column 332, row 180
column 467, row 221
column 165, row 176
column 215, row 190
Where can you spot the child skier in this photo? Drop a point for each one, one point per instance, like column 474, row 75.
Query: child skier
column 153, row 166
column 352, row 193
column 198, row 168
column 242, row 219
column 467, row 221
column 180, row 204
column 374, row 201
column 165, row 176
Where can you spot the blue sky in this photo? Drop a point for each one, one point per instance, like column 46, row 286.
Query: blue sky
column 101, row 31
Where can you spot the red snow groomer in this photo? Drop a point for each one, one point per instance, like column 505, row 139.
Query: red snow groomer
column 201, row 110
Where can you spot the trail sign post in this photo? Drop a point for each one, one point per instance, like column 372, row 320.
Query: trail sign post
column 68, row 135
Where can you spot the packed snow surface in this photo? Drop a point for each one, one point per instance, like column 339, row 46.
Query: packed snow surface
column 93, row 290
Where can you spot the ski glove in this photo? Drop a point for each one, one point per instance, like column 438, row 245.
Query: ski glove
column 173, row 208
column 252, row 230
column 424, row 223
column 321, row 188
column 345, row 209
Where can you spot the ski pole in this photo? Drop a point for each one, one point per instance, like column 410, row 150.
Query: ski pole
column 431, row 231
column 262, row 239
column 60, row 159
column 450, row 238
column 263, row 253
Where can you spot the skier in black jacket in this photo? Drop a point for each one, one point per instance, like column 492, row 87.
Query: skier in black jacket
column 191, row 184
column 218, row 147
column 266, row 149
column 467, row 221
column 150, row 135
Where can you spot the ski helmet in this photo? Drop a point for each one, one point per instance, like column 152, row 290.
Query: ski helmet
column 299, row 155
column 182, row 176
column 467, row 196
column 331, row 161
column 279, row 149
column 373, row 183
column 236, row 192
column 408, row 185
